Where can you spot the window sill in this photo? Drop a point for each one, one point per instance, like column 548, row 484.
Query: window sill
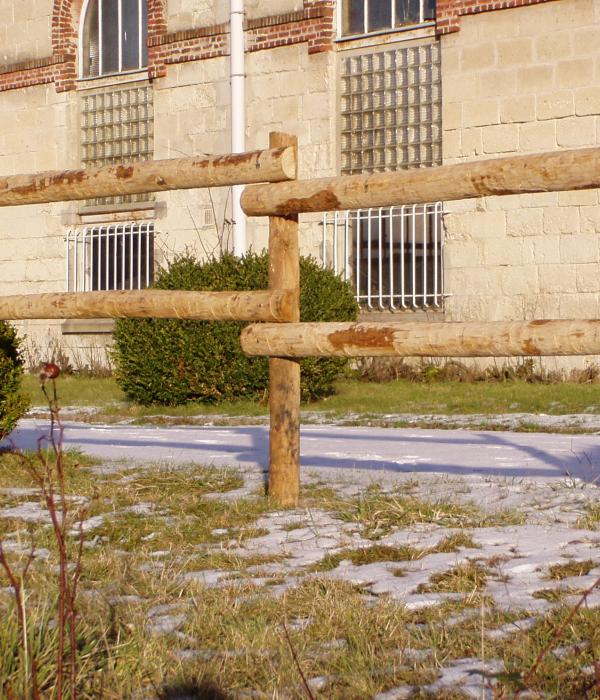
column 112, row 79
column 95, row 326
column 386, row 36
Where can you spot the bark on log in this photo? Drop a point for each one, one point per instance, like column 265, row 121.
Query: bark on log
column 284, row 374
column 420, row 339
column 148, row 176
column 153, row 303
column 546, row 172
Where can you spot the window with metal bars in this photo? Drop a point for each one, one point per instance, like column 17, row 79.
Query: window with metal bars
column 114, row 37
column 368, row 16
column 392, row 110
column 110, row 257
column 117, row 126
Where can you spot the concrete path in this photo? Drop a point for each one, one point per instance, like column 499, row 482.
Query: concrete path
column 507, row 455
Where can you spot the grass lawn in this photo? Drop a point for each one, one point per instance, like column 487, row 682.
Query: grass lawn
column 353, row 396
column 148, row 627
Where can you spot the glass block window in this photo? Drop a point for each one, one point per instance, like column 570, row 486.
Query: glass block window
column 392, row 110
column 367, row 16
column 117, row 126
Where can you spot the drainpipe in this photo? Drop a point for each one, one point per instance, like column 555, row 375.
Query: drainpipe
column 238, row 117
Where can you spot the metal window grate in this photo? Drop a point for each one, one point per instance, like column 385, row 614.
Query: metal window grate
column 392, row 110
column 117, row 126
column 393, row 255
column 110, row 257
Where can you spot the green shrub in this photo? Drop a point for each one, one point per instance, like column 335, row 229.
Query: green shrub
column 172, row 362
column 12, row 404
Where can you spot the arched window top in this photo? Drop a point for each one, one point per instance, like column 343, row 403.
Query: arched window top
column 114, row 37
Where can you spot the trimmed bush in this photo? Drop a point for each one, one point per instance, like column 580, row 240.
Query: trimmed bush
column 12, row 404
column 172, row 362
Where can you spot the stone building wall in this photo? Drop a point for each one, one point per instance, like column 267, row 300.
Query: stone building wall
column 518, row 81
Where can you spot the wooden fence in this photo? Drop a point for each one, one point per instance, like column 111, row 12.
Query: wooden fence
column 281, row 336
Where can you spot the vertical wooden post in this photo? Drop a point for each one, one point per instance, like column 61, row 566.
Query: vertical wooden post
column 284, row 374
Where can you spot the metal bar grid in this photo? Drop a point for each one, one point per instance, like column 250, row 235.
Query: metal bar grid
column 110, row 257
column 393, row 256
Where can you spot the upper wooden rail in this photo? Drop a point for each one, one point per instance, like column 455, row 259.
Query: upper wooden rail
column 545, row 172
column 273, row 306
column 149, row 176
column 421, row 339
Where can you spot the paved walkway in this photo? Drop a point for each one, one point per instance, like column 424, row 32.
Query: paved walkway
column 507, row 455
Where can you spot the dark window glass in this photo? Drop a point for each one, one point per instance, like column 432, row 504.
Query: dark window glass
column 407, row 12
column 429, row 10
column 354, row 17
column 91, row 56
column 110, row 36
column 130, row 40
column 380, row 15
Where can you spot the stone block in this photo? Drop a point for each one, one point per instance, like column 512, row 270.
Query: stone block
column 452, row 116
column 481, row 113
column 451, row 147
column 589, row 218
column 457, row 89
column 557, row 279
column 553, row 47
column 487, row 224
column 580, row 198
column 464, row 254
column 504, row 203
column 561, row 220
column 515, row 52
column 537, row 136
column 497, row 83
column 576, row 131
column 517, row 109
column 294, row 83
column 538, row 250
column 588, row 278
column 451, row 62
column 555, row 105
column 314, row 106
column 524, row 222
column 574, row 72
column 586, row 40
column 502, row 251
column 477, row 58
column 578, row 305
column 472, row 144
column 535, row 78
column 539, row 199
column 587, row 101
column 579, row 249
column 501, row 139
column 519, row 280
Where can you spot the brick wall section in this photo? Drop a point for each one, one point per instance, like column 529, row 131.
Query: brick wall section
column 449, row 12
column 314, row 25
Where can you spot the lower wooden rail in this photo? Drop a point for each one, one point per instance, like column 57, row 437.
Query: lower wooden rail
column 274, row 306
column 420, row 339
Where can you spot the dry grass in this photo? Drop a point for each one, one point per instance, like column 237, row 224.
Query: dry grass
column 231, row 639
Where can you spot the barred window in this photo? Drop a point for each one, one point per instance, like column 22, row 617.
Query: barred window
column 110, row 257
column 367, row 16
column 114, row 37
column 117, row 126
column 391, row 110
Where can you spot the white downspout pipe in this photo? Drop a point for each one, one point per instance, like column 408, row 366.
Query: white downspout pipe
column 238, row 117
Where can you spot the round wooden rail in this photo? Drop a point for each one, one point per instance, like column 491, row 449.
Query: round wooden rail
column 275, row 306
column 545, row 172
column 149, row 176
column 420, row 339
